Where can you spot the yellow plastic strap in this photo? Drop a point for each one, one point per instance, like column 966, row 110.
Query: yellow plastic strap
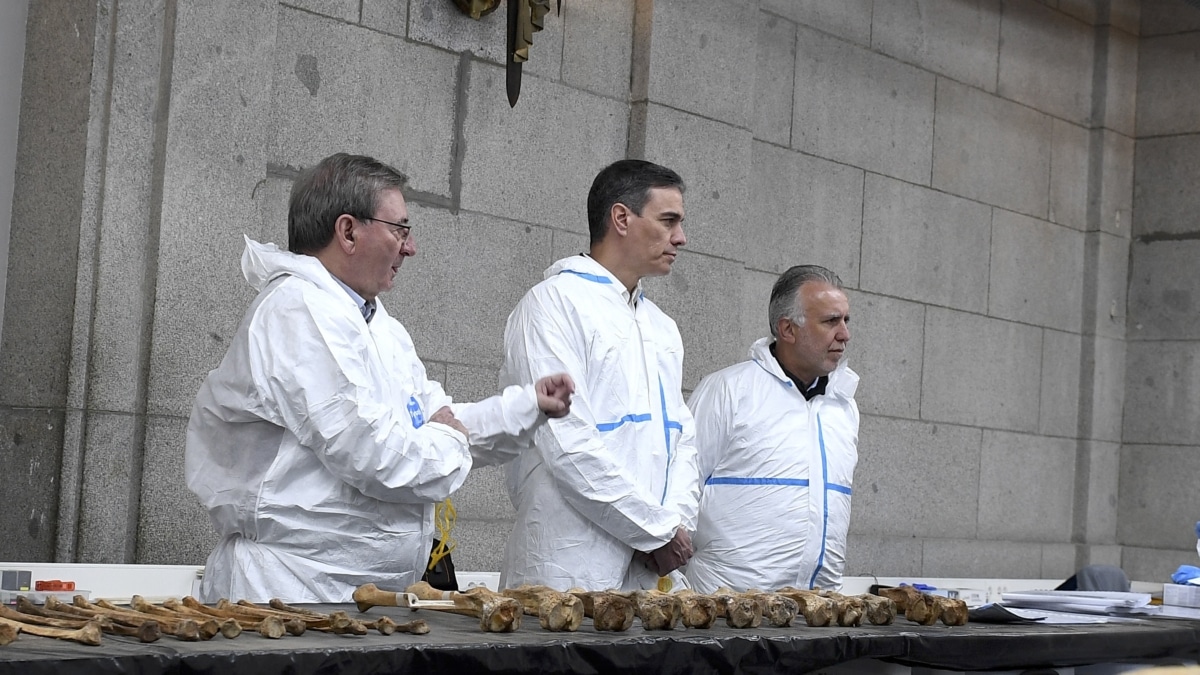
column 444, row 516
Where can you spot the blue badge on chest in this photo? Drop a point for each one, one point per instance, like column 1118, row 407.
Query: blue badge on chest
column 414, row 412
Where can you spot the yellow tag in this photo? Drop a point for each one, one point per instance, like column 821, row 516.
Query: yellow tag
column 665, row 584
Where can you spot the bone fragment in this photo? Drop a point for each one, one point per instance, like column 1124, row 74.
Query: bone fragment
column 880, row 611
column 555, row 611
column 607, row 610
column 954, row 610
column 923, row 609
column 8, row 633
column 848, row 610
column 657, row 610
column 739, row 610
column 777, row 609
column 496, row 613
column 817, row 611
column 901, row 595
column 696, row 610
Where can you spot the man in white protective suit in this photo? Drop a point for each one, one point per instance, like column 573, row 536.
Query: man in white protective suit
column 319, row 446
column 607, row 495
column 777, row 438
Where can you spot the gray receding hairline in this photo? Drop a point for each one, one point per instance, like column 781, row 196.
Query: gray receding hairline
column 784, row 294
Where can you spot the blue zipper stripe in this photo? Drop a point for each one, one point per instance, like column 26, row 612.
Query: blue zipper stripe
column 609, row 426
column 825, row 497
column 839, row 488
column 590, row 277
column 737, row 480
column 667, row 426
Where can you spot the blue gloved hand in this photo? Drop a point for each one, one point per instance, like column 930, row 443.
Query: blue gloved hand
column 1185, row 573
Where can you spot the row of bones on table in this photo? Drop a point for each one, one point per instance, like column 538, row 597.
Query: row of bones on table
column 189, row 620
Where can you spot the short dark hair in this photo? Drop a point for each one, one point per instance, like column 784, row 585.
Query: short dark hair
column 787, row 287
column 628, row 182
column 339, row 184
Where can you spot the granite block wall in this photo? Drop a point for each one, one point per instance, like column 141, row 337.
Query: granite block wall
column 1160, row 437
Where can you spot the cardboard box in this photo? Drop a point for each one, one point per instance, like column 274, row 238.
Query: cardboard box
column 1183, row 595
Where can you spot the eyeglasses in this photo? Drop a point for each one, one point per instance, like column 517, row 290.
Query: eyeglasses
column 399, row 230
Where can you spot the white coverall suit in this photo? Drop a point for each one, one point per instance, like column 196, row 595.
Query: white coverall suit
column 778, row 473
column 310, row 447
column 617, row 474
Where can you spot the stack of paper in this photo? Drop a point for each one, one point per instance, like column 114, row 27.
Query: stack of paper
column 1085, row 602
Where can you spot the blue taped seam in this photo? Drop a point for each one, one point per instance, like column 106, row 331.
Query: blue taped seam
column 609, row 426
column 736, row 480
column 824, row 503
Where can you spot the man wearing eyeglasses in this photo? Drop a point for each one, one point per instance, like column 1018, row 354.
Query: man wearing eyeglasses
column 777, row 441
column 319, row 446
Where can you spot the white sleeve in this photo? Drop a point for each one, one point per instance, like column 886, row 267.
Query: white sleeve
column 683, row 474
column 311, row 377
column 540, row 340
column 711, row 408
column 501, row 426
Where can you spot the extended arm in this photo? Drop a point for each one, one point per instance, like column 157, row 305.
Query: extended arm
column 314, row 381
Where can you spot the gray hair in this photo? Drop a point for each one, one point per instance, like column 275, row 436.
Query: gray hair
column 785, row 294
column 339, row 184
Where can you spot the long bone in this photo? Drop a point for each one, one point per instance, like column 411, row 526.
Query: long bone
column 186, row 630
column 147, row 631
column 227, row 627
column 206, row 629
column 272, row 627
column 338, row 622
column 89, row 634
column 496, row 613
column 384, row 624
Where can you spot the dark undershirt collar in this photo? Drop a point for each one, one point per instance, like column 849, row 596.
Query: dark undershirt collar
column 809, row 391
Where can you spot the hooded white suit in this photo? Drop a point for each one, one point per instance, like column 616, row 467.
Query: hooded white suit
column 778, row 473
column 310, row 445
column 617, row 474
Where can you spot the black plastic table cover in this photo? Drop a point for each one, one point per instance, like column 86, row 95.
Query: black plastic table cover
column 456, row 645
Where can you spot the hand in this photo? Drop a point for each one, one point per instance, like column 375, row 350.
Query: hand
column 673, row 554
column 554, row 394
column 646, row 559
column 446, row 416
